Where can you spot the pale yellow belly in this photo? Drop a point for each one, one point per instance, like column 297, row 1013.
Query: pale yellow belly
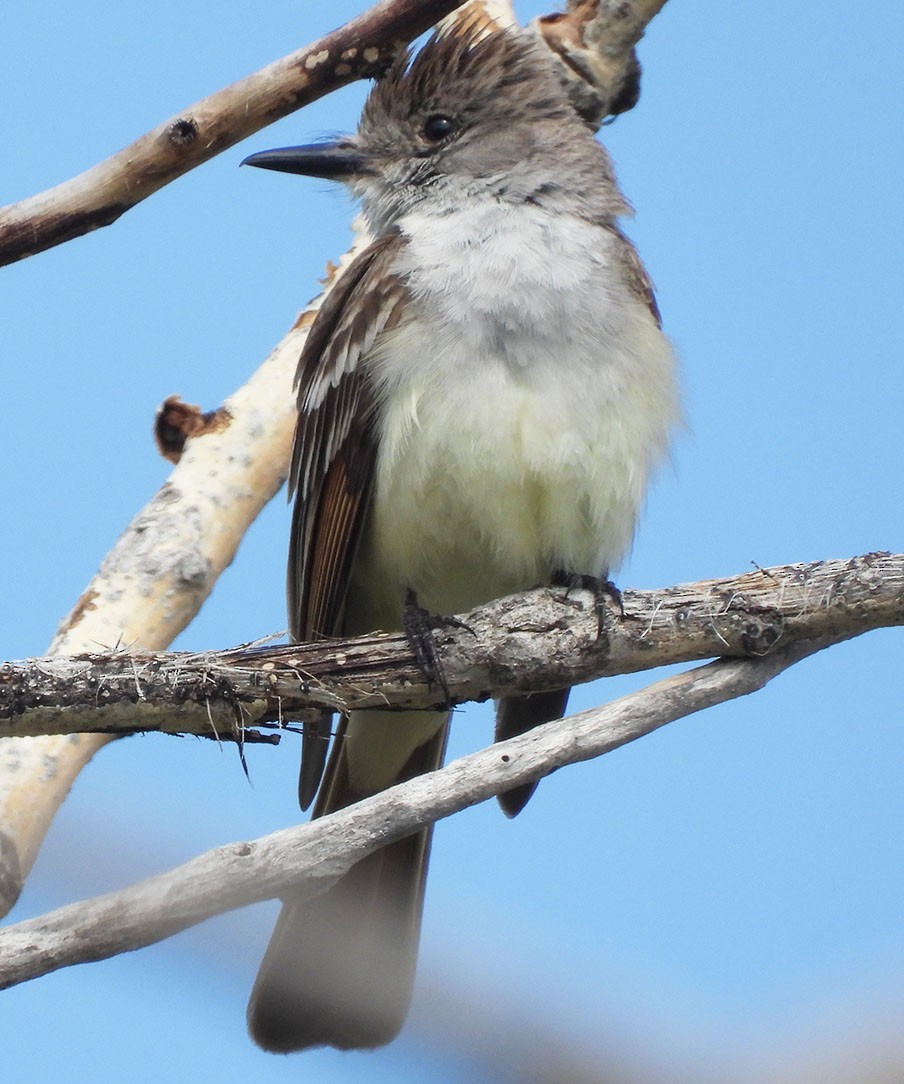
column 471, row 507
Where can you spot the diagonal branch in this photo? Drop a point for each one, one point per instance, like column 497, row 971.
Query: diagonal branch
column 309, row 858
column 358, row 50
column 156, row 578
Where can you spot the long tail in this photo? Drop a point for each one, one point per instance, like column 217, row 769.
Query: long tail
column 339, row 968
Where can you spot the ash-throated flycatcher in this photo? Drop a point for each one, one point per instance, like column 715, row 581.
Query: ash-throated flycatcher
column 481, row 399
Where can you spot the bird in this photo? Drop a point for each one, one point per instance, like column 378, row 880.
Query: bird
column 482, row 399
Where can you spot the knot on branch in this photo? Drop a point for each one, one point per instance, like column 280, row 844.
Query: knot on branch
column 176, row 421
column 759, row 638
column 182, row 132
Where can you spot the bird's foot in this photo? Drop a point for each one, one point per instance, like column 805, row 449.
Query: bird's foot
column 419, row 625
column 601, row 588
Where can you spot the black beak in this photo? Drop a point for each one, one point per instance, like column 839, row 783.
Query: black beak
column 333, row 161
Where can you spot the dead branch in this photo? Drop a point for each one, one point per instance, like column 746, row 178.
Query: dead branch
column 541, row 639
column 358, row 50
column 311, row 857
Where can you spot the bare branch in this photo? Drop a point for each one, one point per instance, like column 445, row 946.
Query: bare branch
column 309, row 858
column 541, row 639
column 357, row 50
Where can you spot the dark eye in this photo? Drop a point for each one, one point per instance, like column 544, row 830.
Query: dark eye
column 438, row 127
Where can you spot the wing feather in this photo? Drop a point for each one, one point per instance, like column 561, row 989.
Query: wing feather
column 333, row 457
column 636, row 275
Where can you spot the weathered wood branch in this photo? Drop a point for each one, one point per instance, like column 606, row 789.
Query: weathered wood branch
column 541, row 639
column 97, row 197
column 156, row 578
column 311, row 857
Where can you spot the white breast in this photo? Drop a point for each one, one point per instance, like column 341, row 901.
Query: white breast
column 523, row 408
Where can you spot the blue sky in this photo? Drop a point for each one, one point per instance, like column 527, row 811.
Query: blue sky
column 722, row 891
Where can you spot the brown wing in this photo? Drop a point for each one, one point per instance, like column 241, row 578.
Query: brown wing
column 331, row 473
column 636, row 275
